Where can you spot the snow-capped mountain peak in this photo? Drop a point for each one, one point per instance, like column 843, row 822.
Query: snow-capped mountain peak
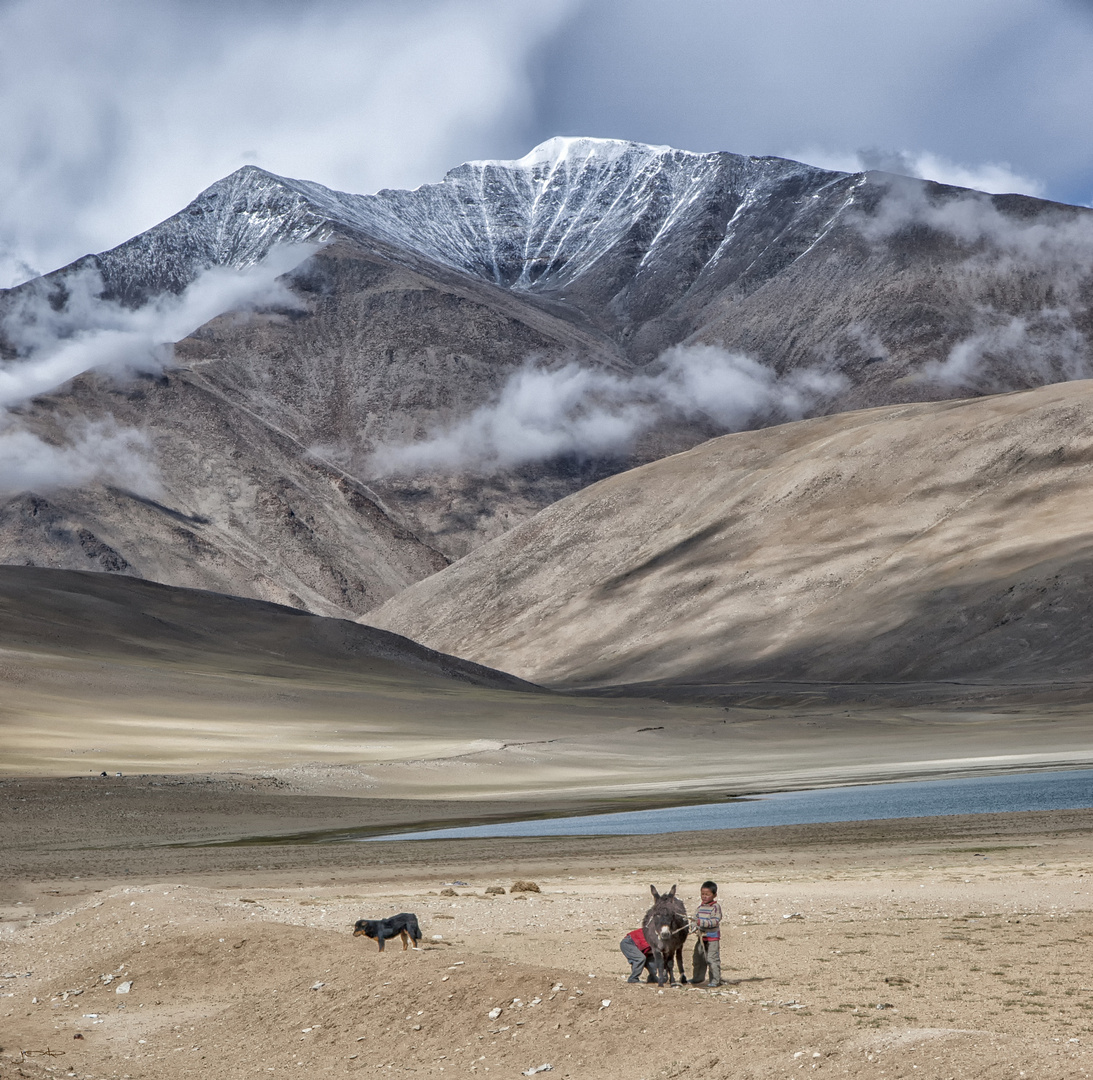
column 562, row 148
column 620, row 230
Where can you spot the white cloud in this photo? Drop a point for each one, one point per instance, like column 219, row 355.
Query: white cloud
column 995, row 178
column 55, row 343
column 992, row 177
column 88, row 333
column 1059, row 242
column 543, row 413
column 94, row 452
column 117, row 113
column 1044, row 348
column 1041, row 261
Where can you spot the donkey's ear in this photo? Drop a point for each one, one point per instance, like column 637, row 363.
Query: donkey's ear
column 653, row 890
column 672, row 891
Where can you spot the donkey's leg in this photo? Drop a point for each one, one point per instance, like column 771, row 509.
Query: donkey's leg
column 675, row 957
column 662, row 974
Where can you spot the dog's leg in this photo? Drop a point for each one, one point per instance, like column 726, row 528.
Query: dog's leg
column 380, row 939
column 405, row 939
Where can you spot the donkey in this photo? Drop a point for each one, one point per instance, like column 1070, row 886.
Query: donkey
column 665, row 928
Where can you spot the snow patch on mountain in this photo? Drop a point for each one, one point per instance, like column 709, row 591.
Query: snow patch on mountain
column 534, row 224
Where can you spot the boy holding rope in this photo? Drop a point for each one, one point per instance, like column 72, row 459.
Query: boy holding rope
column 707, row 954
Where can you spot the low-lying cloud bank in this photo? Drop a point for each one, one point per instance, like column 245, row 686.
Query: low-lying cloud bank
column 56, row 337
column 1028, row 280
column 543, row 413
column 995, row 177
column 96, row 451
column 1044, row 348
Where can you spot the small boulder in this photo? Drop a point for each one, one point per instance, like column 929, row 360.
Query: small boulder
column 448, row 892
column 495, row 890
column 524, row 886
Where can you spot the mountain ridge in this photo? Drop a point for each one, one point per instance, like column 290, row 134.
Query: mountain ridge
column 601, row 256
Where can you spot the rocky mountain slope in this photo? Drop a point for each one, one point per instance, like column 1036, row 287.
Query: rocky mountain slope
column 927, row 542
column 423, row 305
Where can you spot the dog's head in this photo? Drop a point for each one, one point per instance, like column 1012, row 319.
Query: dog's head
column 367, row 927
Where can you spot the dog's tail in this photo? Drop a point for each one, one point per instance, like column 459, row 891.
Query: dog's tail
column 415, row 930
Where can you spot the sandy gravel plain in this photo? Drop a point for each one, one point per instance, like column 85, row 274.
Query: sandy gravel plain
column 972, row 933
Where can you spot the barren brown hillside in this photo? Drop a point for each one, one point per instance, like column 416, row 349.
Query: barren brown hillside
column 917, row 542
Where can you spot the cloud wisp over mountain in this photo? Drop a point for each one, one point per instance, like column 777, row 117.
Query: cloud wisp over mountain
column 543, row 413
column 95, row 452
column 994, row 177
column 58, row 330
column 1047, row 342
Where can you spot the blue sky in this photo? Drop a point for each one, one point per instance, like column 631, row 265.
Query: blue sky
column 117, row 113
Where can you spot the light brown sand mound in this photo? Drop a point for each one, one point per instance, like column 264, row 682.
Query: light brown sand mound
column 936, row 541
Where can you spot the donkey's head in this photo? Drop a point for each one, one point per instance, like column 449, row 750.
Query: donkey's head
column 665, row 923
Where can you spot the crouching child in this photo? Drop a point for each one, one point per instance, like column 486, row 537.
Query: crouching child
column 640, row 954
column 706, row 961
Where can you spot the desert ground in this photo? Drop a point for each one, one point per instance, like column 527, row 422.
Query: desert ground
column 237, row 744
column 944, row 947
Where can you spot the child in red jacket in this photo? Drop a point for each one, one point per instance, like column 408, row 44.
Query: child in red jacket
column 640, row 954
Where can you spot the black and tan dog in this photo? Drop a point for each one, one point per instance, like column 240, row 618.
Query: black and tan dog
column 403, row 925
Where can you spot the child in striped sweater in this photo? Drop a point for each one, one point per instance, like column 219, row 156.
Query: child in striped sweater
column 707, row 955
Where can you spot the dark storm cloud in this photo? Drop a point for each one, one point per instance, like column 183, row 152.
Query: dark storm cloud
column 116, row 113
column 983, row 89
